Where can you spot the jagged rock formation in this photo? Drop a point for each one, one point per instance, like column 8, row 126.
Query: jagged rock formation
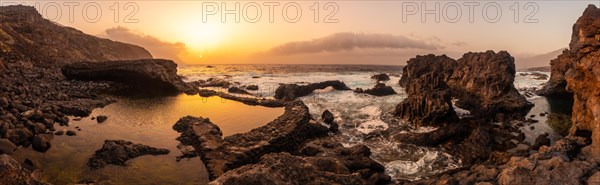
column 482, row 83
column 289, row 92
column 117, row 152
column 148, row 75
column 25, row 35
column 285, row 134
column 428, row 100
column 557, row 85
column 583, row 79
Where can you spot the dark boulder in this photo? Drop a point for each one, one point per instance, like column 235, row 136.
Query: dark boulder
column 289, row 92
column 117, row 152
column 152, row 76
column 237, row 90
column 101, row 118
column 380, row 77
column 380, row 89
column 252, row 87
column 327, row 117
column 42, row 142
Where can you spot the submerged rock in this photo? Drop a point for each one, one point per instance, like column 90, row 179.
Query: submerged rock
column 152, row 76
column 289, row 92
column 117, row 152
column 327, row 117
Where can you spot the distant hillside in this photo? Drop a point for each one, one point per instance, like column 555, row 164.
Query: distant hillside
column 537, row 60
column 26, row 36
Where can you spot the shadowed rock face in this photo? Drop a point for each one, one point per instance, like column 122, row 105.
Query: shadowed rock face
column 481, row 82
column 148, row 75
column 583, row 79
column 26, row 35
column 557, row 85
column 289, row 92
column 284, row 134
column 428, row 100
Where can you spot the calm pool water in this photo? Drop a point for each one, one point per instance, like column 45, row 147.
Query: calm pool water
column 145, row 121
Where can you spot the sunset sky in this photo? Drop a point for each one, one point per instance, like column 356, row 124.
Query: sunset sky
column 366, row 32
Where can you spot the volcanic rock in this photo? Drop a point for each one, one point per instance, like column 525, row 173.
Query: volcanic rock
column 283, row 168
column 27, row 36
column 252, row 87
column 289, row 92
column 482, row 83
column 380, row 77
column 237, row 90
column 117, row 152
column 285, row 134
column 583, row 79
column 149, row 75
column 11, row 172
column 380, row 89
column 327, row 117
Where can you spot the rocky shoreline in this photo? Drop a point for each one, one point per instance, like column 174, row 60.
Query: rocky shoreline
column 41, row 91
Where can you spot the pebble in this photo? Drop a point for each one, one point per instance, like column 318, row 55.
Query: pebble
column 101, row 118
column 59, row 133
column 71, row 133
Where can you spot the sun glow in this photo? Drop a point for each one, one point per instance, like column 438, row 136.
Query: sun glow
column 202, row 36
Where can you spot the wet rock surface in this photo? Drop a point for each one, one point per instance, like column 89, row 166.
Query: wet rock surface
column 117, row 152
column 245, row 100
column 380, row 89
column 289, row 92
column 381, row 77
column 285, row 134
column 151, row 76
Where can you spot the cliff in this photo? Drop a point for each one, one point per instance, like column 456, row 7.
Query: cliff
column 26, row 35
column 583, row 79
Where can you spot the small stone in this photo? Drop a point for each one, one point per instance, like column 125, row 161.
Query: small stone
column 4, row 102
column 101, row 118
column 7, row 147
column 327, row 117
column 334, row 128
column 542, row 114
column 71, row 133
column 532, row 128
column 532, row 116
